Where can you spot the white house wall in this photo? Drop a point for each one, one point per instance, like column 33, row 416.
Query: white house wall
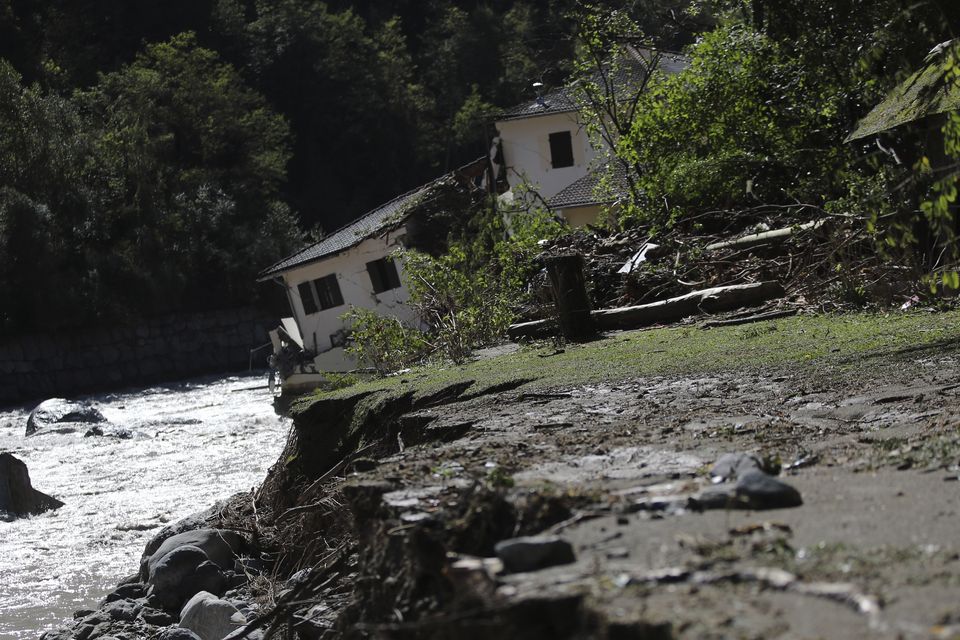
column 526, row 151
column 357, row 291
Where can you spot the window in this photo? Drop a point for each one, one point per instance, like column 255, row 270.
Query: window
column 383, row 275
column 328, row 291
column 561, row 149
column 323, row 293
column 306, row 297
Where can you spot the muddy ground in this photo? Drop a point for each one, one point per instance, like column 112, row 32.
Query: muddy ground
column 430, row 481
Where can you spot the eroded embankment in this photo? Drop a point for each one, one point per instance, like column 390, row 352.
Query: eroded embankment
column 801, row 498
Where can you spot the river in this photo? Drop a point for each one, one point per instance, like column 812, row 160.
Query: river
column 195, row 442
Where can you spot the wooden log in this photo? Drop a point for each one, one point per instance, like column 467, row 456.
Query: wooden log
column 570, row 296
column 754, row 239
column 704, row 301
column 711, row 300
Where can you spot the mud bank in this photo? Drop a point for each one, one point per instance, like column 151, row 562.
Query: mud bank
column 395, row 512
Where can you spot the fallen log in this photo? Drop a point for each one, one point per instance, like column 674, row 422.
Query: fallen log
column 754, row 239
column 711, row 300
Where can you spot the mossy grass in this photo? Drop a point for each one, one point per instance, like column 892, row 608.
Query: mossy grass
column 831, row 344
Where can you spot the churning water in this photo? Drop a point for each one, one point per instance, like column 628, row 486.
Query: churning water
column 194, row 443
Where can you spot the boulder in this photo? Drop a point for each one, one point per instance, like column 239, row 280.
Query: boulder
column 533, row 553
column 193, row 522
column 753, row 490
column 220, row 546
column 17, row 495
column 57, row 415
column 210, row 617
column 180, row 574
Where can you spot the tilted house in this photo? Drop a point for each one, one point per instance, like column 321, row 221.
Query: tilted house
column 353, row 267
column 544, row 144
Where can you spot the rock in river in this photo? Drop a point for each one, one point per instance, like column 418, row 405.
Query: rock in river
column 210, row 617
column 17, row 495
column 57, row 415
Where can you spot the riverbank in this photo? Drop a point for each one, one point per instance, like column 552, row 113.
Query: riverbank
column 395, row 507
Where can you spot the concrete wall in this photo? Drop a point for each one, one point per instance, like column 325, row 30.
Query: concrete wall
column 350, row 268
column 35, row 367
column 526, row 151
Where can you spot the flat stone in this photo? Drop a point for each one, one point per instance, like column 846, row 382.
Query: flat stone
column 156, row 617
column 731, row 466
column 754, row 490
column 535, row 552
column 177, row 633
column 759, row 491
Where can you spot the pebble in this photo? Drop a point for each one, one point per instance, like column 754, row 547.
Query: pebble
column 535, row 552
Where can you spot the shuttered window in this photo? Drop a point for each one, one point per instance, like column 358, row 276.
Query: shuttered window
column 561, row 150
column 306, row 298
column 328, row 292
column 322, row 293
column 383, row 275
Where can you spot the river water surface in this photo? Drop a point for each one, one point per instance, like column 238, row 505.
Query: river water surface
column 195, row 443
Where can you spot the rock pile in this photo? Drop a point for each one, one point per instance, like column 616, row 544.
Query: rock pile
column 191, row 585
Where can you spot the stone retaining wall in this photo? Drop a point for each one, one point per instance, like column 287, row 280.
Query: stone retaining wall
column 161, row 349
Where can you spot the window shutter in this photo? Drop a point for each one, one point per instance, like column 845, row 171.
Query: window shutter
column 393, row 278
column 335, row 296
column 306, row 298
column 376, row 278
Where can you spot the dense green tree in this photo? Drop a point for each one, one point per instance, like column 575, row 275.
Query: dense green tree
column 189, row 163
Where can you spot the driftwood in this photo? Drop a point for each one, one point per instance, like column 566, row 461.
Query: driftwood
column 754, row 239
column 757, row 317
column 711, row 300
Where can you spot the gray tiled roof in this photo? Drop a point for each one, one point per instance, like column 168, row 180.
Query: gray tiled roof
column 373, row 222
column 629, row 72
column 584, row 191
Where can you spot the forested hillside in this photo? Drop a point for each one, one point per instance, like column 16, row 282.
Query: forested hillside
column 154, row 156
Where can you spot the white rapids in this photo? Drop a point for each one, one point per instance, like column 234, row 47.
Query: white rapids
column 194, row 443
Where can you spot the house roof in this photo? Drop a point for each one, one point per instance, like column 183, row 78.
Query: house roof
column 561, row 100
column 587, row 190
column 383, row 218
column 922, row 94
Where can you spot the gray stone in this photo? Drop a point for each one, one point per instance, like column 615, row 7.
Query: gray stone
column 731, row 466
column 220, row 545
column 156, row 617
column 17, row 495
column 210, row 617
column 177, row 633
column 180, row 574
column 108, row 431
column 130, row 590
column 57, row 415
column 533, row 553
column 57, row 634
column 754, row 490
column 190, row 523
column 760, row 491
column 125, row 610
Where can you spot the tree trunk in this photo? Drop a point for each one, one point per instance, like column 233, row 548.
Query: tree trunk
column 570, row 296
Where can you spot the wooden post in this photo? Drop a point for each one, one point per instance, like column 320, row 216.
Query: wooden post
column 570, row 296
